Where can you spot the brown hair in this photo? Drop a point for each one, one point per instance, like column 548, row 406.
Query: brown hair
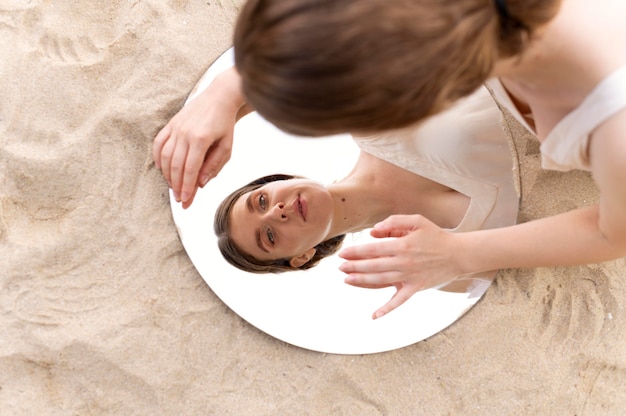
column 243, row 261
column 320, row 67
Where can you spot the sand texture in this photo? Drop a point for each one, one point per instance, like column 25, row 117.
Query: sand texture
column 102, row 312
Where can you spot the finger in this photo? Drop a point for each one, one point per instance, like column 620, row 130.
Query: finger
column 193, row 163
column 384, row 248
column 177, row 166
column 402, row 295
column 384, row 233
column 167, row 151
column 398, row 221
column 380, row 286
column 398, row 226
column 215, row 160
column 372, row 279
column 157, row 144
column 371, row 265
column 205, row 174
column 187, row 204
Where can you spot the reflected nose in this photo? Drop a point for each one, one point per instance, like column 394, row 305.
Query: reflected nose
column 278, row 212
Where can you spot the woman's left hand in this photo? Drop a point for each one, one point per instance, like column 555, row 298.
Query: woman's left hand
column 422, row 256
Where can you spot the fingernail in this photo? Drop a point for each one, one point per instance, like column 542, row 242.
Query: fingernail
column 204, row 179
column 185, row 196
column 176, row 197
column 379, row 314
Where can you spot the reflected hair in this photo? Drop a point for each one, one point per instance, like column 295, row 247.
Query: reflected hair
column 322, row 67
column 243, row 261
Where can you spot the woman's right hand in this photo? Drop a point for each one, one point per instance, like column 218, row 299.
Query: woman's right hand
column 420, row 256
column 196, row 143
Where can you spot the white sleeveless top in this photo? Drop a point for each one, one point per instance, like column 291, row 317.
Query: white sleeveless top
column 567, row 146
column 464, row 148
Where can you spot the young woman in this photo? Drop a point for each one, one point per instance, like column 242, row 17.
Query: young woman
column 280, row 222
column 557, row 65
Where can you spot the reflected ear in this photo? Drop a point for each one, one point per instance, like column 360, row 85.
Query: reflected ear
column 302, row 259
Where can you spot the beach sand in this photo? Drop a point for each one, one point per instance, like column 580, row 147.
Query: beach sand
column 102, row 312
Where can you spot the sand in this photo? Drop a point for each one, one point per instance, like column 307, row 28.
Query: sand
column 102, row 312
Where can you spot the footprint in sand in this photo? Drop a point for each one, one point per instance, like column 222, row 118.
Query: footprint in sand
column 79, row 50
column 577, row 303
column 66, row 35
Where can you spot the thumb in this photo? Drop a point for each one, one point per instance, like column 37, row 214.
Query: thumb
column 397, row 225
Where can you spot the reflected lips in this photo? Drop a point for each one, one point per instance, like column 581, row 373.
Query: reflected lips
column 300, row 206
column 303, row 208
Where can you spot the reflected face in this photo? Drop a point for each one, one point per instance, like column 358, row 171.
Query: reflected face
column 282, row 219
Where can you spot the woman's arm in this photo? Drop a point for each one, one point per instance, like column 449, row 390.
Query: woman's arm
column 425, row 256
column 567, row 239
column 196, row 143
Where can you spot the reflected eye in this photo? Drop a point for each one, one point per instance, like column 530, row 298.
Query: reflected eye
column 262, row 202
column 270, row 236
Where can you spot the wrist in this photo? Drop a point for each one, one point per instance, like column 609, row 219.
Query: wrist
column 467, row 255
column 228, row 88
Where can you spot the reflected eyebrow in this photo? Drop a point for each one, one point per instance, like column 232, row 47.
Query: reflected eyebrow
column 249, row 203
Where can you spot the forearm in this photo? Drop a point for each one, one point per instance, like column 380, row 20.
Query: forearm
column 567, row 239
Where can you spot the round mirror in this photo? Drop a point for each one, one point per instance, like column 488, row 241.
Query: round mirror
column 312, row 309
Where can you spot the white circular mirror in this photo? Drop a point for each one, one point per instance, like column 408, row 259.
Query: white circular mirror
column 311, row 309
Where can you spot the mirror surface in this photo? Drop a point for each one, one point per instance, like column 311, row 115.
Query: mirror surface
column 311, row 309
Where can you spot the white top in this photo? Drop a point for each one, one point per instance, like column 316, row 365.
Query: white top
column 464, row 148
column 567, row 146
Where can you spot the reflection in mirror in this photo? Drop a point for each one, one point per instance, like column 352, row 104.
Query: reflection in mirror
column 456, row 169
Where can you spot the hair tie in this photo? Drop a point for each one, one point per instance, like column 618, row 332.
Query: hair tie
column 503, row 11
